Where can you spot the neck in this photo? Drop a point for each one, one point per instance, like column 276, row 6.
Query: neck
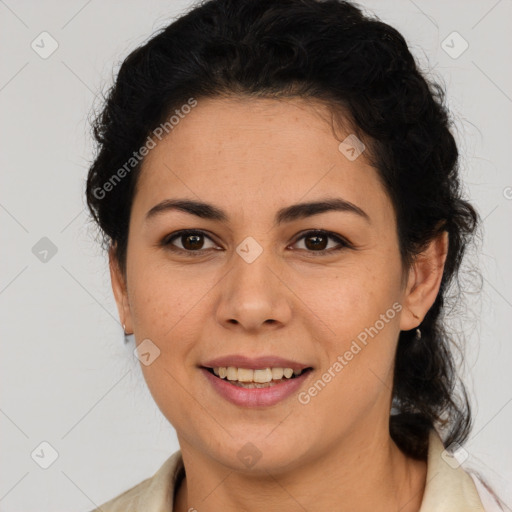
column 358, row 476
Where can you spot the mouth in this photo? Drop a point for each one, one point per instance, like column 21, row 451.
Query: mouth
column 258, row 378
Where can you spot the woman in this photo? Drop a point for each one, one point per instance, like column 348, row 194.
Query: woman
column 278, row 189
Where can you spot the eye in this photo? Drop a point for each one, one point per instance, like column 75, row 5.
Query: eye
column 192, row 242
column 316, row 241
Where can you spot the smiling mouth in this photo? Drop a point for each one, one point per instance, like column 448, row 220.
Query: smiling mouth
column 261, row 378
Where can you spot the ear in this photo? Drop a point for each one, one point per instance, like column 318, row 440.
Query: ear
column 424, row 281
column 120, row 291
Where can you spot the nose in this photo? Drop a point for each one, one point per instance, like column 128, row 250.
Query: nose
column 253, row 296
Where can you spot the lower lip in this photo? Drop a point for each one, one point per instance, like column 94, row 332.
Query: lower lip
column 255, row 397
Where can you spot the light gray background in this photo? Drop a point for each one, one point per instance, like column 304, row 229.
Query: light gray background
column 66, row 376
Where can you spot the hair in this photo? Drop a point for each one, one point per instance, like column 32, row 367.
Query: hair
column 361, row 68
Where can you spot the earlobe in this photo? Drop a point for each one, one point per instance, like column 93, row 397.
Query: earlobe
column 120, row 292
column 424, row 282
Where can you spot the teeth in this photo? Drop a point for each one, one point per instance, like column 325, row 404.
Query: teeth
column 262, row 375
column 277, row 373
column 259, row 376
column 244, row 375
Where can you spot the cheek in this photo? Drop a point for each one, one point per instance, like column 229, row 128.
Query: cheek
column 153, row 309
column 347, row 301
column 161, row 296
column 170, row 321
column 357, row 321
column 168, row 308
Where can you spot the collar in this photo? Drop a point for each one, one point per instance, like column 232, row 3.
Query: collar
column 448, row 488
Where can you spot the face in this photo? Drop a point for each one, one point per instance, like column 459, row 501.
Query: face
column 318, row 287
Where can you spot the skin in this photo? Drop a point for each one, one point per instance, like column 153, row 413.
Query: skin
column 251, row 157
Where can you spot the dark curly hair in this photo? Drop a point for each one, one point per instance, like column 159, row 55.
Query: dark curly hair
column 330, row 51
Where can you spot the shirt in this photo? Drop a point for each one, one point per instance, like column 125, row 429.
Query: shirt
column 449, row 487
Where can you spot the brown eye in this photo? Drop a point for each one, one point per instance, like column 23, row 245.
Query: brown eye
column 318, row 240
column 191, row 241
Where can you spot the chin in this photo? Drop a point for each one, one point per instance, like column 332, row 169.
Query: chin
column 258, row 454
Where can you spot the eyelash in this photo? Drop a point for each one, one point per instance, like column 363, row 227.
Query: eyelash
column 167, row 242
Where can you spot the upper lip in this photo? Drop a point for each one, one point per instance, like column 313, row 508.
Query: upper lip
column 255, row 363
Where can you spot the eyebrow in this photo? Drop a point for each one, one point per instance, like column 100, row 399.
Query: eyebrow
column 287, row 214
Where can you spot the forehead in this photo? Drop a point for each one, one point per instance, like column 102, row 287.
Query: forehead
column 256, row 156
